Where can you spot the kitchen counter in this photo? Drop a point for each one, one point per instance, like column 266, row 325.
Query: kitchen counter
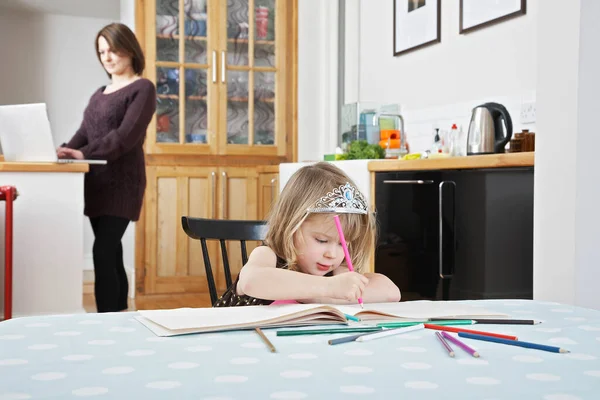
column 525, row 159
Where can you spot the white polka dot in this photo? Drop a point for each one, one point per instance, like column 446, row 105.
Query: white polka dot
column 593, row 373
column 103, row 342
column 409, row 336
column 157, row 339
column 199, row 348
column 252, row 345
column 416, row 365
column 12, row 337
column 163, row 385
column 14, row 396
column 543, row 377
column 357, row 389
column 244, row 360
column 580, row 356
column 295, row 374
column 528, row 359
column 67, row 333
column 302, row 356
column 523, row 312
column 307, row 340
column 216, row 398
column 472, row 361
column 421, row 385
column 598, row 338
column 513, row 304
column 78, row 357
column 576, row 319
column 409, row 349
column 561, row 396
column 562, row 310
column 359, row 352
column 90, row 322
column 49, row 376
column 183, row 365
column 121, row 329
column 118, row 370
column 482, row 380
column 548, row 330
column 12, row 361
column 42, row 346
column 561, row 340
column 357, row 370
column 231, row 379
column 289, row 395
column 90, row 391
column 38, row 325
column 590, row 328
column 140, row 353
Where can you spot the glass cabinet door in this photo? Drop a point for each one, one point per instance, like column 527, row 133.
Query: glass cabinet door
column 183, row 70
column 250, row 72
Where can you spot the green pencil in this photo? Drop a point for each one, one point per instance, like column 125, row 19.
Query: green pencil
column 297, row 332
column 411, row 323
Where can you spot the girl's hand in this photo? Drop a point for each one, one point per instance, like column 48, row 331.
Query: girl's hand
column 348, row 286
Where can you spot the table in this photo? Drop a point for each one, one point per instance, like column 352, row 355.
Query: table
column 112, row 356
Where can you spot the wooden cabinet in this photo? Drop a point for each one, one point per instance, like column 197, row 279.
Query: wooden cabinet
column 226, row 77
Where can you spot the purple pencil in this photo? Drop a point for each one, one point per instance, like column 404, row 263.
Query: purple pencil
column 445, row 344
column 460, row 344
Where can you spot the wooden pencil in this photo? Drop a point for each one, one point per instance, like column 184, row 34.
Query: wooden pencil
column 266, row 340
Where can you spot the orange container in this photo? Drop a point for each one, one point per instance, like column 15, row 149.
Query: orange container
column 386, row 134
column 394, row 143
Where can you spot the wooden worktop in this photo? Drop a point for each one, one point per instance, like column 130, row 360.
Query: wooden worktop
column 525, row 159
column 42, row 167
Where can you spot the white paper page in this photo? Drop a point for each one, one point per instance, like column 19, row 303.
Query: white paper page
column 424, row 309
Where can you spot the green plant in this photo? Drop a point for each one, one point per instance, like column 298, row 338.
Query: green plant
column 362, row 150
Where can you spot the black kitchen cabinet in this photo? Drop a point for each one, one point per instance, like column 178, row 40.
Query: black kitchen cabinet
column 456, row 234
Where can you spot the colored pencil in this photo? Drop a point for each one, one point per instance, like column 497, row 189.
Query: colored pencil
column 297, row 332
column 266, row 340
column 460, row 344
column 344, row 339
column 498, row 321
column 411, row 323
column 527, row 345
column 389, row 332
column 352, row 317
column 457, row 330
column 338, row 225
column 445, row 344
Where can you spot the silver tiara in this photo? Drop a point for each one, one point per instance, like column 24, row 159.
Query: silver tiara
column 343, row 199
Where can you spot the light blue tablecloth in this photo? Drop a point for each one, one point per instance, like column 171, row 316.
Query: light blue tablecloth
column 112, row 356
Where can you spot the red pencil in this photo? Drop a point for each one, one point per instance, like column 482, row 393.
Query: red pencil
column 454, row 329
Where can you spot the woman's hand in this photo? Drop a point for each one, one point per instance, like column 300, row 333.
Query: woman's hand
column 348, row 286
column 65, row 152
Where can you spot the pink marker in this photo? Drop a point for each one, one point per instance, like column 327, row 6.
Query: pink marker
column 338, row 225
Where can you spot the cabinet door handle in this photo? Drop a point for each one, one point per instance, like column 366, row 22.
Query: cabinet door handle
column 213, row 179
column 273, row 189
column 441, row 227
column 222, row 66
column 409, row 182
column 224, row 194
column 214, row 66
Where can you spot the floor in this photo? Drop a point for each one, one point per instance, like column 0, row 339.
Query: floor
column 89, row 303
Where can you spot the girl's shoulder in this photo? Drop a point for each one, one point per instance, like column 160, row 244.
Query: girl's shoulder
column 264, row 255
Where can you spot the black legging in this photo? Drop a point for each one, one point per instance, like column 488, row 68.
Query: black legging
column 111, row 285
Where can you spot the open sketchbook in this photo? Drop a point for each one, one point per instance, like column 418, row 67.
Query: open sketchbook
column 196, row 320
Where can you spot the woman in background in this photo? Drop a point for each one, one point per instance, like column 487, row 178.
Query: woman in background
column 113, row 129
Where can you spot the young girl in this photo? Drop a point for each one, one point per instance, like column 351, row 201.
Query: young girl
column 302, row 258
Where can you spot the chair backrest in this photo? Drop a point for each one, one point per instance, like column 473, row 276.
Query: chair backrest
column 222, row 230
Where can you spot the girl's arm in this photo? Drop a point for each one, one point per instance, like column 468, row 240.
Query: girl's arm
column 261, row 279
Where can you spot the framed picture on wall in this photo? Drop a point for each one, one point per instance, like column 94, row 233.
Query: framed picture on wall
column 478, row 14
column 417, row 24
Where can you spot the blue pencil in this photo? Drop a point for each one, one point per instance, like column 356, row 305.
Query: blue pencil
column 527, row 345
column 352, row 317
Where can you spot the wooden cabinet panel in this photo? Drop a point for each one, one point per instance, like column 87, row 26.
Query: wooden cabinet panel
column 268, row 191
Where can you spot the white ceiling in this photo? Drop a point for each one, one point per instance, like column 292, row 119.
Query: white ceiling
column 106, row 9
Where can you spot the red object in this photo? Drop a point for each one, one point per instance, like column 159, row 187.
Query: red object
column 8, row 194
column 456, row 330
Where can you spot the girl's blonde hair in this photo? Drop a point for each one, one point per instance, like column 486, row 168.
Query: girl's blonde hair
column 302, row 191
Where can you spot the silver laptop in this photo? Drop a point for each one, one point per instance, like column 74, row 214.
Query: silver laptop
column 26, row 137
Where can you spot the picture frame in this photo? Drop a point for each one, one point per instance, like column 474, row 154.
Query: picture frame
column 417, row 24
column 479, row 14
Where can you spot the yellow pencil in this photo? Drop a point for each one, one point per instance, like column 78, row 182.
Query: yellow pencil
column 266, row 340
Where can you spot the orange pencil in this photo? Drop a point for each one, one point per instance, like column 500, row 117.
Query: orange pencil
column 456, row 330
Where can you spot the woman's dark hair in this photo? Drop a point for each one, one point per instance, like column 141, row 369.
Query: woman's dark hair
column 122, row 41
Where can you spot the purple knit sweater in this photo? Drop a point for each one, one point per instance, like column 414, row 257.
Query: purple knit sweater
column 113, row 129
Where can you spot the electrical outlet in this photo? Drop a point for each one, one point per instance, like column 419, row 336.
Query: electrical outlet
column 528, row 113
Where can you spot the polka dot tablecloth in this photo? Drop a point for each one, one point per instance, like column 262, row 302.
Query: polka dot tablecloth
column 112, row 356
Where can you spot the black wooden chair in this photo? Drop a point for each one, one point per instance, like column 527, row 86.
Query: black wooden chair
column 222, row 230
